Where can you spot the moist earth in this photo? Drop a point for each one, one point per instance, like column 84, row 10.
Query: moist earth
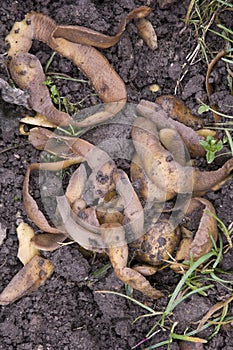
column 67, row 312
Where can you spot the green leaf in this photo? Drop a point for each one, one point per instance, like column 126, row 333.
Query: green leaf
column 211, row 145
column 210, row 156
column 204, row 144
column 54, row 91
column 203, row 109
column 219, row 146
column 210, row 139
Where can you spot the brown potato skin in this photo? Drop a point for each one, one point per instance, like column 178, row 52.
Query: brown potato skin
column 202, row 242
column 158, row 163
column 28, row 279
column 161, row 162
column 119, row 258
column 165, row 172
column 154, row 112
column 157, row 244
column 177, row 110
column 75, row 43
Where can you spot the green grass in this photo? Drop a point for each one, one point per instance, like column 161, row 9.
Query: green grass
column 201, row 276
column 203, row 16
column 62, row 102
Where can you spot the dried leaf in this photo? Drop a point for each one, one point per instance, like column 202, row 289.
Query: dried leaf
column 212, row 310
column 13, row 95
column 26, row 250
column 28, row 279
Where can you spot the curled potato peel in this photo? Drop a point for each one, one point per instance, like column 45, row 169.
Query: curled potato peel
column 48, row 241
column 133, row 210
column 82, row 235
column 28, row 279
column 200, row 243
column 76, row 184
column 83, row 35
column 145, row 188
column 102, row 180
column 26, row 250
column 27, row 73
column 155, row 113
column 158, row 163
column 172, row 141
column 30, row 204
column 177, row 110
column 160, row 239
column 168, row 174
column 76, row 43
column 133, row 216
column 119, row 257
column 147, row 32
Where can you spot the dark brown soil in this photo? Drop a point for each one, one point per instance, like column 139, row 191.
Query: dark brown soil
column 66, row 313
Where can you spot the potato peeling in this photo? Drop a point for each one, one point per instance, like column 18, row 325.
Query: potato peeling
column 129, row 216
column 178, row 111
column 165, row 171
column 26, row 250
column 207, row 231
column 162, row 119
column 124, row 229
column 38, row 120
column 75, row 43
column 35, row 272
column 147, row 32
column 200, row 243
column 28, row 279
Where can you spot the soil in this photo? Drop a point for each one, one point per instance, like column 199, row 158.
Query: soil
column 67, row 313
